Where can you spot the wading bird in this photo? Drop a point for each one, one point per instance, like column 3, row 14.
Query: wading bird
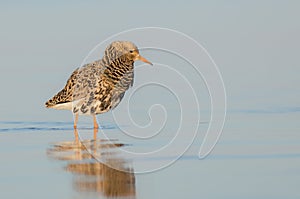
column 99, row 86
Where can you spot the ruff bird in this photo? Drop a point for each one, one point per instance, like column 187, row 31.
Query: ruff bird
column 99, row 86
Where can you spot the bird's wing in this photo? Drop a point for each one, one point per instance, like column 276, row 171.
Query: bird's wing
column 79, row 84
column 66, row 94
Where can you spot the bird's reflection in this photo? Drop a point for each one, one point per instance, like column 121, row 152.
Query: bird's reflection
column 112, row 177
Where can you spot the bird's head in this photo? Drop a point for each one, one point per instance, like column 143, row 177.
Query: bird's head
column 124, row 49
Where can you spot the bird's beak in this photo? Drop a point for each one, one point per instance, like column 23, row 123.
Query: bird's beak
column 144, row 60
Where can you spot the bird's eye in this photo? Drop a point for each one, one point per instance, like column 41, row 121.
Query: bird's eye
column 131, row 51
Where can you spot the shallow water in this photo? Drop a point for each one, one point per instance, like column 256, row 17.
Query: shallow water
column 257, row 156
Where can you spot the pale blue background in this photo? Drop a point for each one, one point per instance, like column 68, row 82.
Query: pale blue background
column 255, row 45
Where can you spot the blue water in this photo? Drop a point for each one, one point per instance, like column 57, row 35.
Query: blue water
column 18, row 126
column 257, row 156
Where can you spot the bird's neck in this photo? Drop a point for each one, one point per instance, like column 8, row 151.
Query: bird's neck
column 118, row 62
column 117, row 68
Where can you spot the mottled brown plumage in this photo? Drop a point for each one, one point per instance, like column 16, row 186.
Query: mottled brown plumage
column 99, row 86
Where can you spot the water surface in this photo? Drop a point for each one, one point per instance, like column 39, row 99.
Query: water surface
column 258, row 156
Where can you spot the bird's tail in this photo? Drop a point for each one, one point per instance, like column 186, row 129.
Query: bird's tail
column 59, row 98
column 50, row 103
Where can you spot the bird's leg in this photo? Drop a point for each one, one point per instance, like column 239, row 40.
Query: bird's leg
column 95, row 122
column 75, row 120
column 95, row 142
column 95, row 133
column 76, row 136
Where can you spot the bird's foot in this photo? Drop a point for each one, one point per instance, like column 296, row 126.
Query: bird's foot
column 96, row 127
